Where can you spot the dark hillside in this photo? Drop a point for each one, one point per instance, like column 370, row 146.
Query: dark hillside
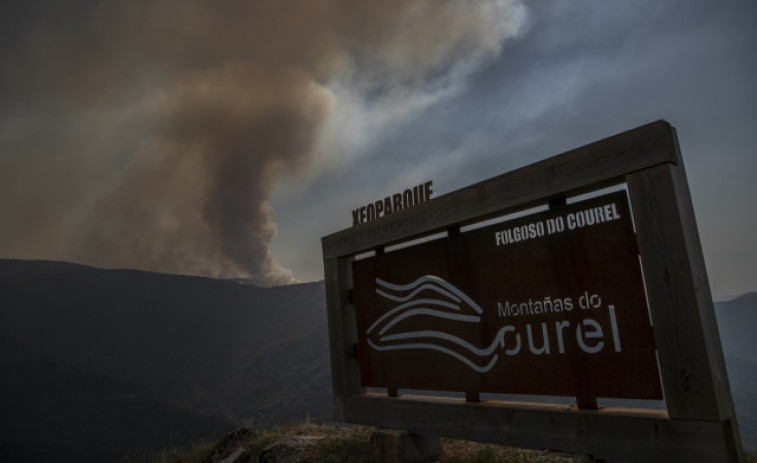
column 232, row 350
column 57, row 413
column 737, row 320
column 742, row 375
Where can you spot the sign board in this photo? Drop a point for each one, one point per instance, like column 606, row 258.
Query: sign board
column 551, row 303
column 601, row 297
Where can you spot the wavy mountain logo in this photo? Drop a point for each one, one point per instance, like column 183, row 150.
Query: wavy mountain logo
column 431, row 296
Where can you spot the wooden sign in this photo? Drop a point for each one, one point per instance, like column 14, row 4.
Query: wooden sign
column 476, row 310
column 552, row 303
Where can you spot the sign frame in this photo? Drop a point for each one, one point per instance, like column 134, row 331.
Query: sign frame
column 699, row 421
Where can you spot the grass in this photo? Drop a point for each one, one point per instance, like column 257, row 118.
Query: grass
column 341, row 445
column 455, row 451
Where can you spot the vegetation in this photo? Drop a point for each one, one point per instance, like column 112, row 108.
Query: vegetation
column 346, row 445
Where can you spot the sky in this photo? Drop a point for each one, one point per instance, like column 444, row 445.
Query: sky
column 224, row 139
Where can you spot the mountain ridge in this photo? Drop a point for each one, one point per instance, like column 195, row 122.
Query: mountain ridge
column 221, row 349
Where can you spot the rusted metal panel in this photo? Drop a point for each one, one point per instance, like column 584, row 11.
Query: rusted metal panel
column 551, row 303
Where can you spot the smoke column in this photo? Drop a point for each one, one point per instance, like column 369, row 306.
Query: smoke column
column 150, row 134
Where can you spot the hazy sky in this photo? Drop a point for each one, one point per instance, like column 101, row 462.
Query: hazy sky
column 226, row 138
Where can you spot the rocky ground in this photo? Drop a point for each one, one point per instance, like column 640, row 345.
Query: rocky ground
column 318, row 443
column 321, row 443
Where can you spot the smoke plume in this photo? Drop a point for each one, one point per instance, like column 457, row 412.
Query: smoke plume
column 150, row 134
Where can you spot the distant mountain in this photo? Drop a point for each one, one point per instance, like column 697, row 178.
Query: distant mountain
column 737, row 320
column 219, row 348
column 131, row 347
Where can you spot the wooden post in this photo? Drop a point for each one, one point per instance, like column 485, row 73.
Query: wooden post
column 345, row 373
column 692, row 364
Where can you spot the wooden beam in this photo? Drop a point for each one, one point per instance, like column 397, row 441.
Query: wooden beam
column 692, row 364
column 603, row 163
column 627, row 435
column 345, row 374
